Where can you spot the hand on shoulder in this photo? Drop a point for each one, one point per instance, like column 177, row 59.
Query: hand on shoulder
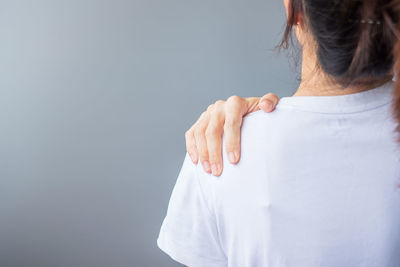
column 204, row 138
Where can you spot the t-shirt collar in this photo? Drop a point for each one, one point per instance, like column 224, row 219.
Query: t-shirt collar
column 349, row 103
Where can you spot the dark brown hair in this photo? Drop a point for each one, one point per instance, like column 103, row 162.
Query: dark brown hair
column 396, row 97
column 355, row 39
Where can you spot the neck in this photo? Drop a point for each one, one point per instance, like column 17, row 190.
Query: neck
column 315, row 82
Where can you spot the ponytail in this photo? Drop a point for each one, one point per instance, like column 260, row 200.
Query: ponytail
column 349, row 51
column 396, row 96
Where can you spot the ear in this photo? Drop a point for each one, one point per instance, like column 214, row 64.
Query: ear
column 300, row 17
column 289, row 10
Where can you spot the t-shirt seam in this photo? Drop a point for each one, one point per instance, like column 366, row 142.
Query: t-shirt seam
column 355, row 110
column 211, row 213
column 297, row 108
column 202, row 193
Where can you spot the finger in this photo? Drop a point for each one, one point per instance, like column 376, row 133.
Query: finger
column 201, row 143
column 214, row 137
column 191, row 146
column 251, row 105
column 268, row 102
column 235, row 109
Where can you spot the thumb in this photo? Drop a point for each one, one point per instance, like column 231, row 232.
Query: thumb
column 268, row 102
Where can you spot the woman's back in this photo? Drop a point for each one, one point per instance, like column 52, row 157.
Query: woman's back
column 317, row 185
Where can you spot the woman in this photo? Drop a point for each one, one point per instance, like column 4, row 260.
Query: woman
column 317, row 184
column 227, row 116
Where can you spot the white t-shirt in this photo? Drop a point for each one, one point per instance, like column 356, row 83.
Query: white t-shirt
column 317, row 185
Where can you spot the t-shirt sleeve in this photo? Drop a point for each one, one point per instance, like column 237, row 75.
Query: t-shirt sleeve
column 189, row 232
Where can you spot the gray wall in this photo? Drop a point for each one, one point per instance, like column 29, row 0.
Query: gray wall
column 95, row 97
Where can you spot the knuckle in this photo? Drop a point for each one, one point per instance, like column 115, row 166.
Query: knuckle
column 188, row 134
column 189, row 149
column 231, row 145
column 202, row 151
column 203, row 154
column 219, row 103
column 213, row 159
column 211, row 132
column 268, row 95
column 208, row 134
column 213, row 152
column 231, row 123
column 203, row 115
column 198, row 133
column 216, row 152
column 210, row 107
column 234, row 98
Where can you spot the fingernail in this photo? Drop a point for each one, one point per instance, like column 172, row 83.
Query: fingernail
column 214, row 169
column 194, row 159
column 267, row 105
column 191, row 157
column 206, row 166
column 232, row 157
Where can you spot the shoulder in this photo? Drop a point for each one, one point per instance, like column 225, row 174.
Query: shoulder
column 258, row 134
column 259, row 118
column 260, row 126
column 262, row 134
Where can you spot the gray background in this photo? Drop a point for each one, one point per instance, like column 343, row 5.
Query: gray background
column 95, row 97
